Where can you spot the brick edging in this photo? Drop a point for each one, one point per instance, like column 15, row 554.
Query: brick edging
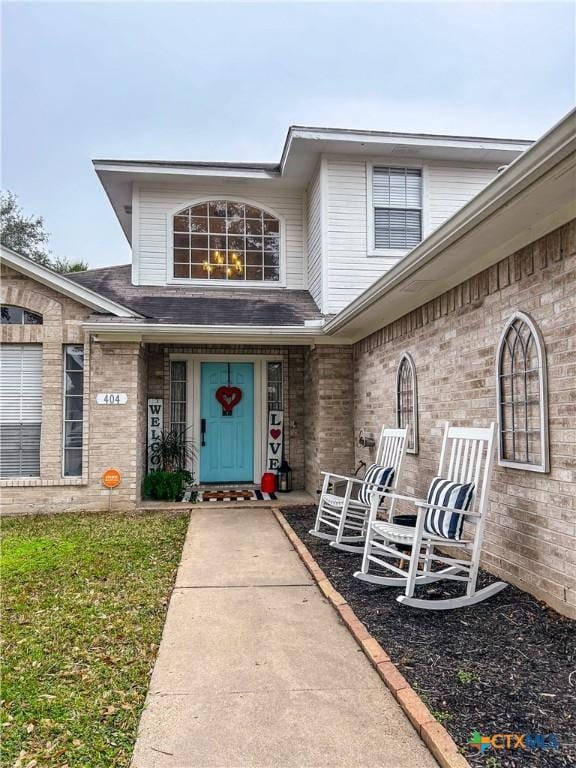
column 432, row 733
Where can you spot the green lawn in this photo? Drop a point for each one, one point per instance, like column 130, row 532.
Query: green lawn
column 84, row 600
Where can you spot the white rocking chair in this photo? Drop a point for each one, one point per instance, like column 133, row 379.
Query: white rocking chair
column 346, row 516
column 464, row 475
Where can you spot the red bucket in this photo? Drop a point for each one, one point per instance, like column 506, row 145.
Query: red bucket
column 268, row 482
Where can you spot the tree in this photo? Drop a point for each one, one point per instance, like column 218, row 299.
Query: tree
column 63, row 265
column 26, row 235
column 23, row 235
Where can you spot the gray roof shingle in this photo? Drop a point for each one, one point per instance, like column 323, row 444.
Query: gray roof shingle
column 199, row 305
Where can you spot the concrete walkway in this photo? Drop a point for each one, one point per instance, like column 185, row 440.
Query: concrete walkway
column 256, row 670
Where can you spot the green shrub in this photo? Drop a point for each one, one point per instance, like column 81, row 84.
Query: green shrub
column 166, row 486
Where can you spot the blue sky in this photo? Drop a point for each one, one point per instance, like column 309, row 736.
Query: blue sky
column 216, row 81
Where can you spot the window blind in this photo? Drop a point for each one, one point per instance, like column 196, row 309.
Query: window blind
column 397, row 200
column 20, row 410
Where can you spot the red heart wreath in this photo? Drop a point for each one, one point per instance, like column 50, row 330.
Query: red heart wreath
column 228, row 397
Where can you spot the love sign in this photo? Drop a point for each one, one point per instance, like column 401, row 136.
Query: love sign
column 274, row 440
column 228, row 397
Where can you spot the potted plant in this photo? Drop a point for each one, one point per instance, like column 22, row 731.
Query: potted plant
column 175, row 453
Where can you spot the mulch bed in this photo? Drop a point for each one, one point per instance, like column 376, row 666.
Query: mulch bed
column 502, row 666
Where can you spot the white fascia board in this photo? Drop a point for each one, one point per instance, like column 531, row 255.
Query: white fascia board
column 246, row 334
column 414, row 140
column 550, row 150
column 63, row 285
column 207, row 330
column 173, row 170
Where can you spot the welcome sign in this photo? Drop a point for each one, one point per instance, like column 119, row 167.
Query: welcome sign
column 275, row 439
column 155, row 418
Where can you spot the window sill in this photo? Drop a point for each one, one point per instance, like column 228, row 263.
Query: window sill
column 227, row 284
column 389, row 253
column 525, row 467
column 35, row 482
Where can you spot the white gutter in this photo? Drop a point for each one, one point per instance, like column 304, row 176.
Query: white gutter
column 547, row 152
column 63, row 285
column 175, row 170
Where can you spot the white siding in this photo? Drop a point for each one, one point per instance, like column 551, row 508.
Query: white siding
column 350, row 269
column 153, row 204
column 314, row 221
column 449, row 188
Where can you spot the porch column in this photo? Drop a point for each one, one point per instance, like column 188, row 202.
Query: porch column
column 117, row 435
column 329, row 413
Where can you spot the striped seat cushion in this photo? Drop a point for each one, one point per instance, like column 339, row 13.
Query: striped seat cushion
column 446, row 493
column 376, row 475
column 332, row 500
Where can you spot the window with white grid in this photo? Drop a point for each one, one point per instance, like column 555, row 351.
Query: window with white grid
column 407, row 401
column 226, row 240
column 397, row 201
column 522, row 396
column 178, row 398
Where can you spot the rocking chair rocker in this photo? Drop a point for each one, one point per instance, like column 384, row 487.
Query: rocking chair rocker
column 458, row 493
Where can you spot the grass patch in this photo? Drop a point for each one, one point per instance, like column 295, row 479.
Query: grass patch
column 83, row 604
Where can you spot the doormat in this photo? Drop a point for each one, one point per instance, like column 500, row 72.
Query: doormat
column 237, row 495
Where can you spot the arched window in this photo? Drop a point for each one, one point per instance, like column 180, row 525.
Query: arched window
column 225, row 240
column 522, row 396
column 10, row 315
column 407, row 401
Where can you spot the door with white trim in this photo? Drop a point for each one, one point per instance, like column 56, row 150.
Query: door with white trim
column 227, row 423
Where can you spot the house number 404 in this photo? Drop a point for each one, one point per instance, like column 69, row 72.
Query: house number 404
column 111, row 398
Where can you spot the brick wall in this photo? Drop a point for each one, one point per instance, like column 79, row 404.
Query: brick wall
column 117, row 433
column 530, row 536
column 111, row 435
column 328, row 412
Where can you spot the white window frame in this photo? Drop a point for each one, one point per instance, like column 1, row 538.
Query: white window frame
column 223, row 284
column 544, row 465
column 371, row 225
column 407, row 357
column 193, row 386
column 84, row 407
column 27, row 478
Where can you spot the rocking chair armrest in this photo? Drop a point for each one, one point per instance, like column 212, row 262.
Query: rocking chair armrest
column 429, row 505
column 401, row 496
column 344, row 478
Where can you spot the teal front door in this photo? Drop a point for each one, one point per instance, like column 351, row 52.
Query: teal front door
column 227, row 437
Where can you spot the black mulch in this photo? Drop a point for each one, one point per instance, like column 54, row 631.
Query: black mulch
column 502, row 666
